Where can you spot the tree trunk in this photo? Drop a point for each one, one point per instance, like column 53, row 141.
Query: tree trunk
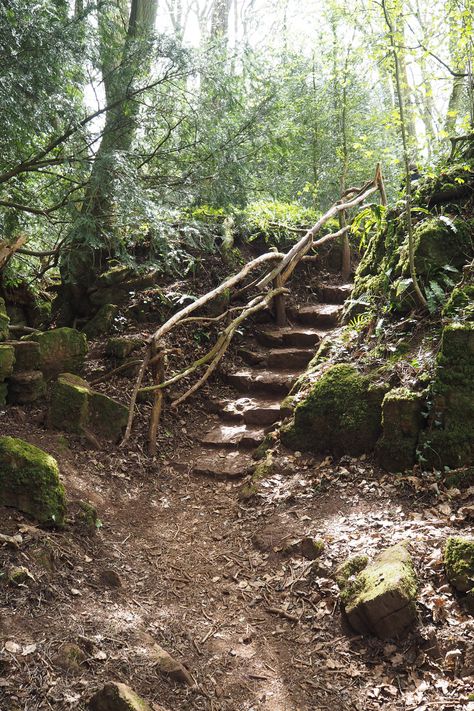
column 94, row 236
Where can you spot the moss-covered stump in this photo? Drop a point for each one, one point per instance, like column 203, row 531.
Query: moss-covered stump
column 402, row 421
column 4, row 321
column 76, row 408
column 120, row 347
column 25, row 387
column 27, row 355
column 102, row 322
column 341, row 414
column 7, row 360
column 381, row 599
column 61, row 350
column 449, row 438
column 117, row 697
column 459, row 563
column 29, row 481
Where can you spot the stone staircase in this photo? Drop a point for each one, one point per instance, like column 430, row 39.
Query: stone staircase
column 274, row 358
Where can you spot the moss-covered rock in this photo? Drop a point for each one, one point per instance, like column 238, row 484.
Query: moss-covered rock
column 117, row 697
column 76, row 408
column 402, row 421
column 29, row 481
column 61, row 350
column 4, row 321
column 341, row 414
column 102, row 322
column 449, row 438
column 7, row 360
column 27, row 355
column 25, row 387
column 346, row 573
column 381, row 599
column 460, row 305
column 459, row 563
column 120, row 347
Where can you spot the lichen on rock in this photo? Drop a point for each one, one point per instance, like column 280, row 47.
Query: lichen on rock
column 29, row 481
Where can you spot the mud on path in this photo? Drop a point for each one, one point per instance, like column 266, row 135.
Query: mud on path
column 219, row 584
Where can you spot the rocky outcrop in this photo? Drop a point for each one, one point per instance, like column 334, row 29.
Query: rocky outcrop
column 402, row 421
column 341, row 414
column 60, row 350
column 448, row 440
column 76, row 408
column 102, row 322
column 29, row 481
column 380, row 600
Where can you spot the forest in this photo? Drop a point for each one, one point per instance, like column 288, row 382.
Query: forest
column 237, row 355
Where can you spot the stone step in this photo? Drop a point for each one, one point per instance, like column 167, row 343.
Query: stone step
column 334, row 293
column 290, row 336
column 251, row 411
column 223, row 464
column 277, row 357
column 269, row 381
column 321, row 315
column 223, row 435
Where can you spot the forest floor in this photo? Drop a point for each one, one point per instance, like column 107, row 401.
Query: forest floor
column 217, row 581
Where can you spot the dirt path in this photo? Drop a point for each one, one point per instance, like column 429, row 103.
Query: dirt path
column 221, row 584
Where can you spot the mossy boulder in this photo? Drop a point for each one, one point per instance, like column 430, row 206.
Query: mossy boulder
column 102, row 322
column 76, row 408
column 28, row 386
column 341, row 414
column 7, row 360
column 117, row 697
column 459, row 563
column 61, row 349
column 460, row 305
column 381, row 599
column 27, row 355
column 402, row 421
column 29, row 481
column 4, row 321
column 115, row 285
column 449, row 437
column 438, row 243
column 120, row 347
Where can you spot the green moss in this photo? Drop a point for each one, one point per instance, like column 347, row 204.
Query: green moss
column 459, row 563
column 119, row 347
column 381, row 599
column 341, row 414
column 460, row 304
column 29, row 481
column 106, row 417
column 61, row 350
column 75, row 407
column 7, row 359
column 448, row 439
column 261, row 471
column 349, row 569
column 69, row 404
column 27, row 355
